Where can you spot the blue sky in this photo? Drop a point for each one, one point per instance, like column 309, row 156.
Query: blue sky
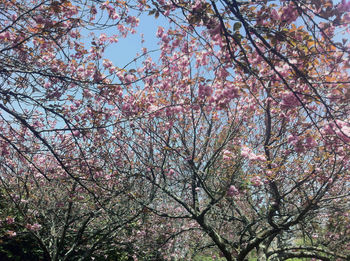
column 126, row 49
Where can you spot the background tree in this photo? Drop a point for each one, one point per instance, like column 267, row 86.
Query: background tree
column 67, row 220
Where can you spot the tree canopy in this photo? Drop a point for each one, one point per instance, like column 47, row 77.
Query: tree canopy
column 231, row 141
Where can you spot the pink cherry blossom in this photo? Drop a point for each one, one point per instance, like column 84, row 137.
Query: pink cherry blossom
column 232, row 191
column 11, row 233
column 256, row 181
column 289, row 101
column 10, row 220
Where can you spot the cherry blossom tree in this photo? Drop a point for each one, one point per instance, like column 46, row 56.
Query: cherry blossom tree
column 235, row 141
column 56, row 115
column 68, row 219
column 248, row 124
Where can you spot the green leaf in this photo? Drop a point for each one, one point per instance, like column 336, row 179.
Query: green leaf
column 237, row 26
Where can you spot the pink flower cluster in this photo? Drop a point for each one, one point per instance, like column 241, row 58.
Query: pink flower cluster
column 34, row 227
column 7, row 36
column 289, row 14
column 10, row 220
column 227, row 155
column 11, row 233
column 232, row 191
column 249, row 154
column 256, row 181
column 344, row 6
column 204, row 91
column 289, row 101
column 339, row 128
column 301, row 143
